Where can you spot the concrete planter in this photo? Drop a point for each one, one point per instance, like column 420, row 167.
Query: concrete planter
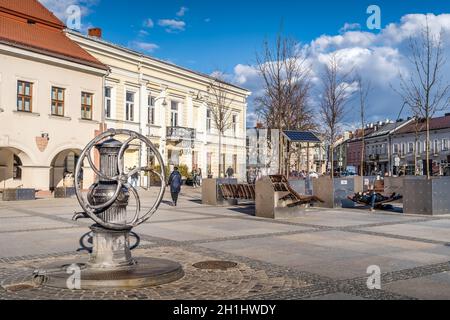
column 302, row 186
column 64, row 192
column 334, row 192
column 394, row 184
column 211, row 194
column 426, row 197
column 19, row 194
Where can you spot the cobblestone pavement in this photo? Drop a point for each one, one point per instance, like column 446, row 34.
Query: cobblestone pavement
column 322, row 254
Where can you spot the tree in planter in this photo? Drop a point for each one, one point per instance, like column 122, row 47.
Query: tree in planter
column 336, row 92
column 220, row 103
column 425, row 91
column 364, row 89
column 286, row 75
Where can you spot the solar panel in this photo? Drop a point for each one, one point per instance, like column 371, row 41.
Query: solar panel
column 302, row 136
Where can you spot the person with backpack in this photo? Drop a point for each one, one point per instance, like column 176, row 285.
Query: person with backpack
column 175, row 181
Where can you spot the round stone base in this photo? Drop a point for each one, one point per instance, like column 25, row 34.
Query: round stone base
column 146, row 272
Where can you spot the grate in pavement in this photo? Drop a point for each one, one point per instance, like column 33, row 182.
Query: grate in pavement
column 215, row 265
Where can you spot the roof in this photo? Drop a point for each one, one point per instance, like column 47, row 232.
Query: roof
column 388, row 128
column 301, row 136
column 140, row 54
column 39, row 36
column 438, row 123
column 31, row 9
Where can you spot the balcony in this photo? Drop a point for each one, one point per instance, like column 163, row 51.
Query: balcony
column 180, row 134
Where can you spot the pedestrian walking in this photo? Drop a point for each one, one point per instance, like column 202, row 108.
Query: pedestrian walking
column 194, row 179
column 199, row 177
column 175, row 185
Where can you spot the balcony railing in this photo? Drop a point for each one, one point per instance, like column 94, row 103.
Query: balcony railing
column 181, row 133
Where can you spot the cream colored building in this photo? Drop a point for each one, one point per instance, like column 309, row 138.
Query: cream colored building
column 51, row 98
column 168, row 104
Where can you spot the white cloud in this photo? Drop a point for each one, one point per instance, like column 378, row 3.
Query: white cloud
column 144, row 46
column 149, row 23
column 379, row 58
column 182, row 11
column 172, row 25
column 350, row 26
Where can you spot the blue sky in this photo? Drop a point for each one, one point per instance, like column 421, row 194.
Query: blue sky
column 209, row 35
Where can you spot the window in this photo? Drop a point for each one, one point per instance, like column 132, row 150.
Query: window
column 151, row 110
column 396, row 148
column 234, row 124
column 108, row 102
column 411, row 147
column 403, row 149
column 444, row 144
column 86, row 105
column 235, row 166
column 418, row 147
column 436, row 146
column 174, row 114
column 208, row 121
column 58, row 96
column 24, row 96
column 129, row 106
column 17, row 168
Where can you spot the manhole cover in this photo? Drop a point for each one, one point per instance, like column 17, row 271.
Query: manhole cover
column 19, row 287
column 215, row 265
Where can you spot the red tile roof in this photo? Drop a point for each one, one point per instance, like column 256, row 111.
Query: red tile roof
column 30, row 9
column 435, row 124
column 43, row 36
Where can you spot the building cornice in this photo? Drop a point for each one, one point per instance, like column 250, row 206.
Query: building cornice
column 115, row 51
column 33, row 55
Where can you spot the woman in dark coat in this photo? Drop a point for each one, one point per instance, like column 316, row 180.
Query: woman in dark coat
column 175, row 181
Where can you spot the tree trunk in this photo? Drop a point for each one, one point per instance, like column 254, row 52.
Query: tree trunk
column 428, row 149
column 220, row 155
column 332, row 161
column 363, row 154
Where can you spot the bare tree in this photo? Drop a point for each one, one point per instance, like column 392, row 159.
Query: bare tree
column 336, row 92
column 425, row 91
column 219, row 103
column 364, row 89
column 286, row 76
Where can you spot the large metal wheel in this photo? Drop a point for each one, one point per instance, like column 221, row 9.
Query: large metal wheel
column 93, row 211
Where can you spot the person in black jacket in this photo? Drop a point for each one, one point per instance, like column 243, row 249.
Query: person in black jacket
column 175, row 181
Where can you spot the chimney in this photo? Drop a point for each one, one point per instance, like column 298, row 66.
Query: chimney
column 259, row 125
column 447, row 114
column 95, row 32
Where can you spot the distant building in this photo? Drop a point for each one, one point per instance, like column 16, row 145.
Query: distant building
column 379, row 158
column 409, row 147
column 270, row 151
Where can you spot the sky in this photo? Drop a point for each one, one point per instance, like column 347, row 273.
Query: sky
column 208, row 36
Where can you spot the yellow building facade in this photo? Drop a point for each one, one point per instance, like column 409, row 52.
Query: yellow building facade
column 169, row 104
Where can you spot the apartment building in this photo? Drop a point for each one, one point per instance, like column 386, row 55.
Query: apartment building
column 409, row 147
column 170, row 105
column 50, row 98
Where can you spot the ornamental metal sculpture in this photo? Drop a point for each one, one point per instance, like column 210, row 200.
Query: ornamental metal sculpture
column 107, row 200
column 111, row 264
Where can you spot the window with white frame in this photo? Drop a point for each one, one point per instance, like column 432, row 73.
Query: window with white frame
column 445, row 145
column 418, row 147
column 151, row 110
column 396, row 148
column 411, row 148
column 108, row 102
column 174, row 113
column 208, row 121
column 436, row 146
column 403, row 149
column 129, row 106
column 234, row 124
